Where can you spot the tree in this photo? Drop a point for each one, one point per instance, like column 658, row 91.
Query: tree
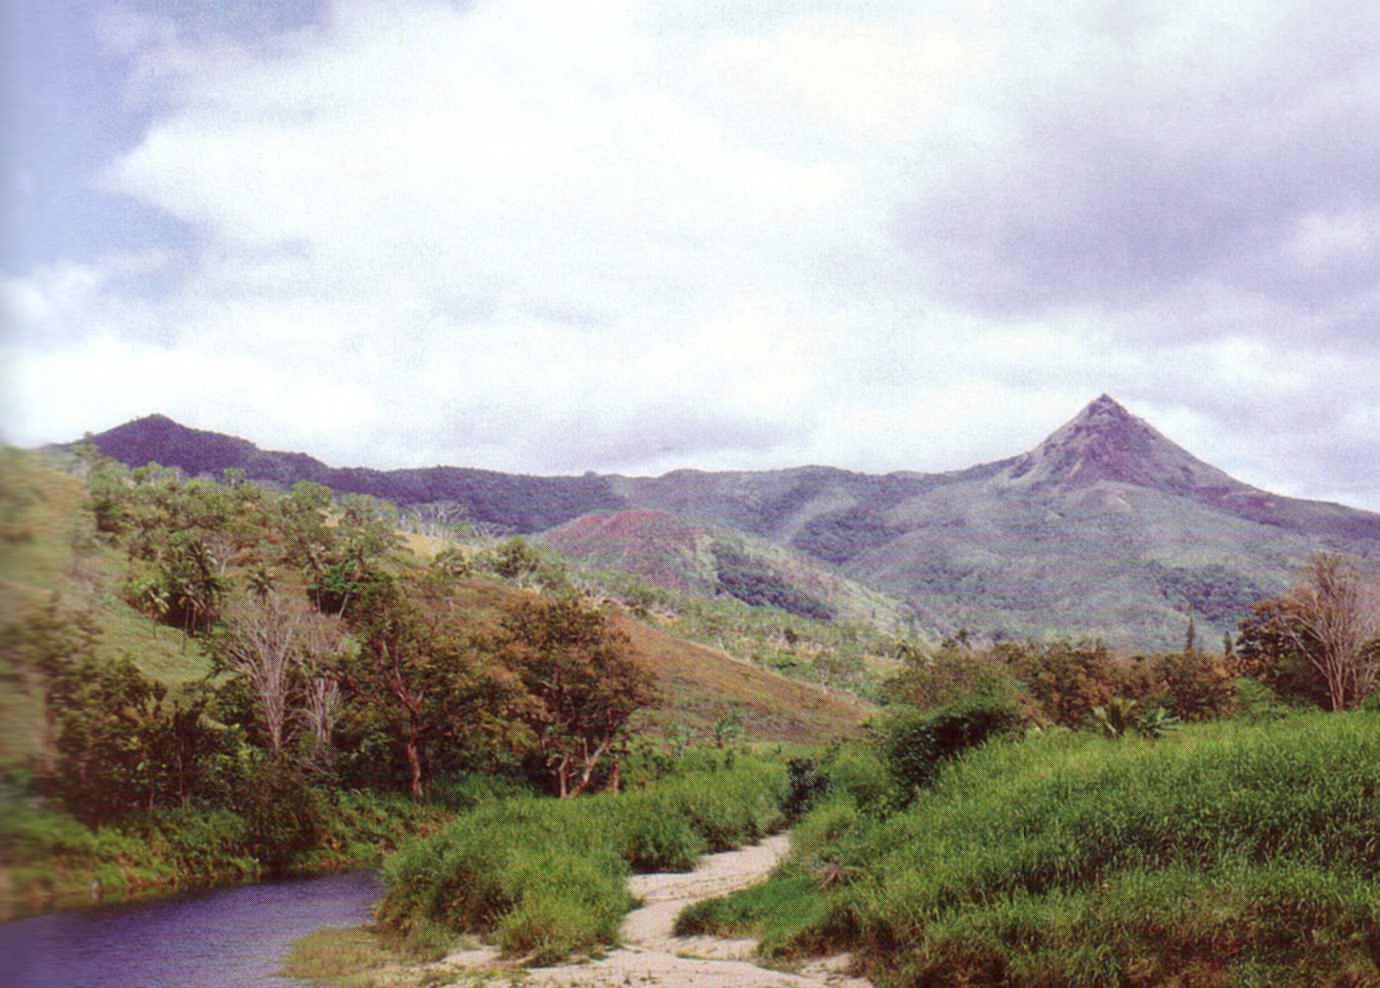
column 1334, row 621
column 122, row 744
column 1266, row 651
column 515, row 560
column 278, row 646
column 419, row 670
column 583, row 684
column 39, row 651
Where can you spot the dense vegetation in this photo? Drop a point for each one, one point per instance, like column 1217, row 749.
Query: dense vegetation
column 235, row 681
column 336, row 672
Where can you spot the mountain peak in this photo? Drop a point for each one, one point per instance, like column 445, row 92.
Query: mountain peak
column 1105, row 442
column 1105, row 403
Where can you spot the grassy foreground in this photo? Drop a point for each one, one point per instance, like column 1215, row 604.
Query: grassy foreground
column 546, row 878
column 1230, row 854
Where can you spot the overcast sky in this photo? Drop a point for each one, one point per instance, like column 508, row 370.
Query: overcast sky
column 630, row 237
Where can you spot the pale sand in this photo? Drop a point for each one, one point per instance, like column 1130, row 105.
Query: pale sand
column 652, row 955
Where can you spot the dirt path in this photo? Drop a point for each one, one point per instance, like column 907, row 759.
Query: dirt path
column 652, row 955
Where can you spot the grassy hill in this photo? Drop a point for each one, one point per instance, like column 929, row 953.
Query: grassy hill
column 1227, row 854
column 50, row 548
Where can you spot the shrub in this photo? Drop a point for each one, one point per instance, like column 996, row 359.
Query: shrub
column 807, row 784
column 860, row 774
column 283, row 815
column 914, row 743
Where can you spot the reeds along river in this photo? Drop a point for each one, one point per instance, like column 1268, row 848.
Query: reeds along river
column 223, row 937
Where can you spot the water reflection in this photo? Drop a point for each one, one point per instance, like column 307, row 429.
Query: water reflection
column 225, row 937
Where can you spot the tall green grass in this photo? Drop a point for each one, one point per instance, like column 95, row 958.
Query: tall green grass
column 546, row 877
column 1230, row 854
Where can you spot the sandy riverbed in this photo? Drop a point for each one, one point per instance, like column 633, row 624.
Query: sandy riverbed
column 652, row 955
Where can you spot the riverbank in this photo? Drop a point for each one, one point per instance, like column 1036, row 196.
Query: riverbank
column 52, row 861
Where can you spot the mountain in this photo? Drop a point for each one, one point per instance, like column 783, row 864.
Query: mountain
column 1106, row 528
column 670, row 551
column 509, row 502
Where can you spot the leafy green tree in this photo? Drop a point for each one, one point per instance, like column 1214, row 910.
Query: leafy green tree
column 39, row 651
column 515, row 559
column 422, row 675
column 123, row 745
column 582, row 681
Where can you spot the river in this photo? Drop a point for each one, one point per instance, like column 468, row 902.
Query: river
column 232, row 937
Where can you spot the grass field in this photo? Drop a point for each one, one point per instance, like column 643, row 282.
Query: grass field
column 1229, row 854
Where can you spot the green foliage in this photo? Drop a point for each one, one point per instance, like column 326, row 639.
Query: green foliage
column 1257, row 702
column 1157, row 722
column 914, row 743
column 582, row 686
column 122, row 745
column 1117, row 719
column 283, row 815
column 546, row 877
column 515, row 559
column 1069, row 859
column 757, row 585
column 807, row 785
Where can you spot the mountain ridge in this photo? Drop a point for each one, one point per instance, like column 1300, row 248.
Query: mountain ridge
column 1104, row 528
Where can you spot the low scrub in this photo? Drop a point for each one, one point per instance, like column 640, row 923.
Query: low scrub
column 1226, row 854
column 546, row 878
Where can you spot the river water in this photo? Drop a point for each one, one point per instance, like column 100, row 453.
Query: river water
column 222, row 937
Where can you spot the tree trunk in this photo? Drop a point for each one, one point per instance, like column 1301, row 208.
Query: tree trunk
column 414, row 762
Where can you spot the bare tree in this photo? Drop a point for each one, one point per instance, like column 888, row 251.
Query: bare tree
column 278, row 644
column 1335, row 623
column 321, row 705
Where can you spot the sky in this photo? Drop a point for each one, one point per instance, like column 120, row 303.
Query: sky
column 633, row 237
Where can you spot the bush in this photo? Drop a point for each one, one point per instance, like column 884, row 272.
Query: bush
column 807, row 784
column 861, row 775
column 915, row 743
column 462, row 793
column 283, row 815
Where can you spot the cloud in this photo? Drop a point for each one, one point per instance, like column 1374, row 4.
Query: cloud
column 636, row 237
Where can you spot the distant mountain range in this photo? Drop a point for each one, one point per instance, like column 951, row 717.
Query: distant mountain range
column 1106, row 528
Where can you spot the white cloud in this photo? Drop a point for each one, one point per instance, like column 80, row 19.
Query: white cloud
column 634, row 237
